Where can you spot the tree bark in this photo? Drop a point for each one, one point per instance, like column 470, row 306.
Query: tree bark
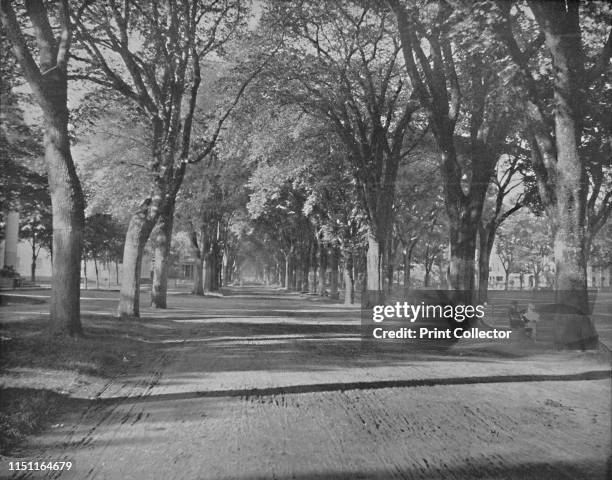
column 374, row 265
column 85, row 273
column 333, row 272
column 198, row 273
column 406, row 271
column 306, row 257
column 215, row 269
column 389, row 276
column 322, row 268
column 33, row 264
column 159, row 287
column 226, row 269
column 486, row 240
column 463, row 252
column 50, row 88
column 198, row 277
column 561, row 26
column 288, row 272
column 95, row 260
column 428, row 265
column 139, row 229
column 68, row 219
column 282, row 276
column 207, row 270
column 349, row 283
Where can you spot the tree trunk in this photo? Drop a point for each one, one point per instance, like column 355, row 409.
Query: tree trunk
column 389, row 276
column 282, row 276
column 68, row 219
column 226, row 269
column 374, row 265
column 483, row 276
column 207, row 272
column 443, row 274
column 406, row 271
column 349, row 283
column 198, row 277
column 463, row 251
column 138, row 232
column 97, row 273
column 313, row 277
column 507, row 279
column 561, row 26
column 295, row 276
column 322, row 268
column 50, row 87
column 116, row 273
column 85, row 273
column 333, row 272
column 570, row 257
column 214, row 266
column 159, row 287
column 198, row 273
column 288, row 284
column 305, row 270
column 486, row 240
column 33, row 265
column 297, row 279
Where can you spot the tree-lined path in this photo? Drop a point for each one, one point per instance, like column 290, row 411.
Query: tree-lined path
column 279, row 161
column 264, row 384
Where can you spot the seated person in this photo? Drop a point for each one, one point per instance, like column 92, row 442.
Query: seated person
column 515, row 315
column 531, row 318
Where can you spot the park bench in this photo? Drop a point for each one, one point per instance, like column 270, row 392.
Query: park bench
column 10, row 281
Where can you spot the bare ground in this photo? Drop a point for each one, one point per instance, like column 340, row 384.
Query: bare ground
column 270, row 386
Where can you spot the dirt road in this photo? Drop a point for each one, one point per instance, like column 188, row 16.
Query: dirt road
column 268, row 386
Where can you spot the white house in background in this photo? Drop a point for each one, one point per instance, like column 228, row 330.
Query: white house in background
column 597, row 276
column 19, row 254
column 600, row 277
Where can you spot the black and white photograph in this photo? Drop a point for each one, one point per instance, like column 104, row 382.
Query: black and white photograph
column 306, row 239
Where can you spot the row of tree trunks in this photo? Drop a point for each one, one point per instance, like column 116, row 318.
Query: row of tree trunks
column 306, row 278
column 212, row 267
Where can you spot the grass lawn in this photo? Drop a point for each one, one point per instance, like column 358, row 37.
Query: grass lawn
column 43, row 368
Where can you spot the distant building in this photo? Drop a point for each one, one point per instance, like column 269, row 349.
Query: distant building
column 18, row 254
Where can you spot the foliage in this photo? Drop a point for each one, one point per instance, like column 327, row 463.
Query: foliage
column 103, row 238
column 20, row 146
column 338, row 63
column 35, row 218
column 524, row 243
column 601, row 248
